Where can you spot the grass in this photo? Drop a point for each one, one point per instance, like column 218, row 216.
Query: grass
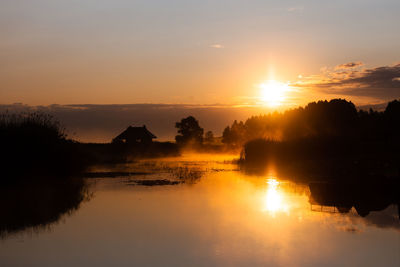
column 35, row 144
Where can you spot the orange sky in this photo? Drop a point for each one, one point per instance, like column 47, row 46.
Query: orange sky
column 191, row 52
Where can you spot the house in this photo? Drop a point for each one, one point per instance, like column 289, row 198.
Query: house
column 135, row 135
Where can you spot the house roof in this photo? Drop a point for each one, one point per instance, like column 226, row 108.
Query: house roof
column 135, row 133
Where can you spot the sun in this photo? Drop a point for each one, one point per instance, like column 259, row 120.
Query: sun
column 273, row 92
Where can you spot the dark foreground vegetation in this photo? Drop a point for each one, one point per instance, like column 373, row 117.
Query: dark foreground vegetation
column 351, row 157
column 38, row 167
column 38, row 203
column 324, row 140
column 35, row 144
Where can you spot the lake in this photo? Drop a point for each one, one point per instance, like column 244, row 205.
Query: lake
column 201, row 210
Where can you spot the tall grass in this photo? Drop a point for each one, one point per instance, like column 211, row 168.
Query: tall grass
column 35, row 144
column 29, row 129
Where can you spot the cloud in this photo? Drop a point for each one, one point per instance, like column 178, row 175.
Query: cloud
column 295, row 9
column 349, row 65
column 350, row 79
column 217, row 46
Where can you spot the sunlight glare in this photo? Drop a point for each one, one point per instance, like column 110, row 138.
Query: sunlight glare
column 273, row 92
column 273, row 200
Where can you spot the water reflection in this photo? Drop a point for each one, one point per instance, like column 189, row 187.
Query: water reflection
column 225, row 218
column 363, row 197
column 346, row 205
column 274, row 200
column 36, row 204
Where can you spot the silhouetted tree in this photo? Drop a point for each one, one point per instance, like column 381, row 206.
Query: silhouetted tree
column 226, row 135
column 209, row 137
column 333, row 118
column 348, row 141
column 392, row 120
column 337, row 117
column 234, row 135
column 189, row 131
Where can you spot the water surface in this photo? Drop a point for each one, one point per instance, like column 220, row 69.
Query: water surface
column 214, row 215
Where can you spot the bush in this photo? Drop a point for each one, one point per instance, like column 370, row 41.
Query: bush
column 35, row 143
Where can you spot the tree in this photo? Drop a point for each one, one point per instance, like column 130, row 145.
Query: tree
column 226, row 135
column 209, row 137
column 392, row 120
column 189, row 131
column 235, row 134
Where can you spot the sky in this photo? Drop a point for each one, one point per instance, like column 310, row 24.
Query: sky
column 198, row 52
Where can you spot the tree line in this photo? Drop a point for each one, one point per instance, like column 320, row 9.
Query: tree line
column 335, row 118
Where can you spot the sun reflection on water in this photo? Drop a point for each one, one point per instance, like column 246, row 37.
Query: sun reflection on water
column 274, row 198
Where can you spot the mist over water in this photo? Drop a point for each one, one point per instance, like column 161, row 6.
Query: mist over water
column 213, row 215
column 199, row 133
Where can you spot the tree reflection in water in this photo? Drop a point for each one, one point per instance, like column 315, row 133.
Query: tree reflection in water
column 37, row 203
column 363, row 198
column 373, row 203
